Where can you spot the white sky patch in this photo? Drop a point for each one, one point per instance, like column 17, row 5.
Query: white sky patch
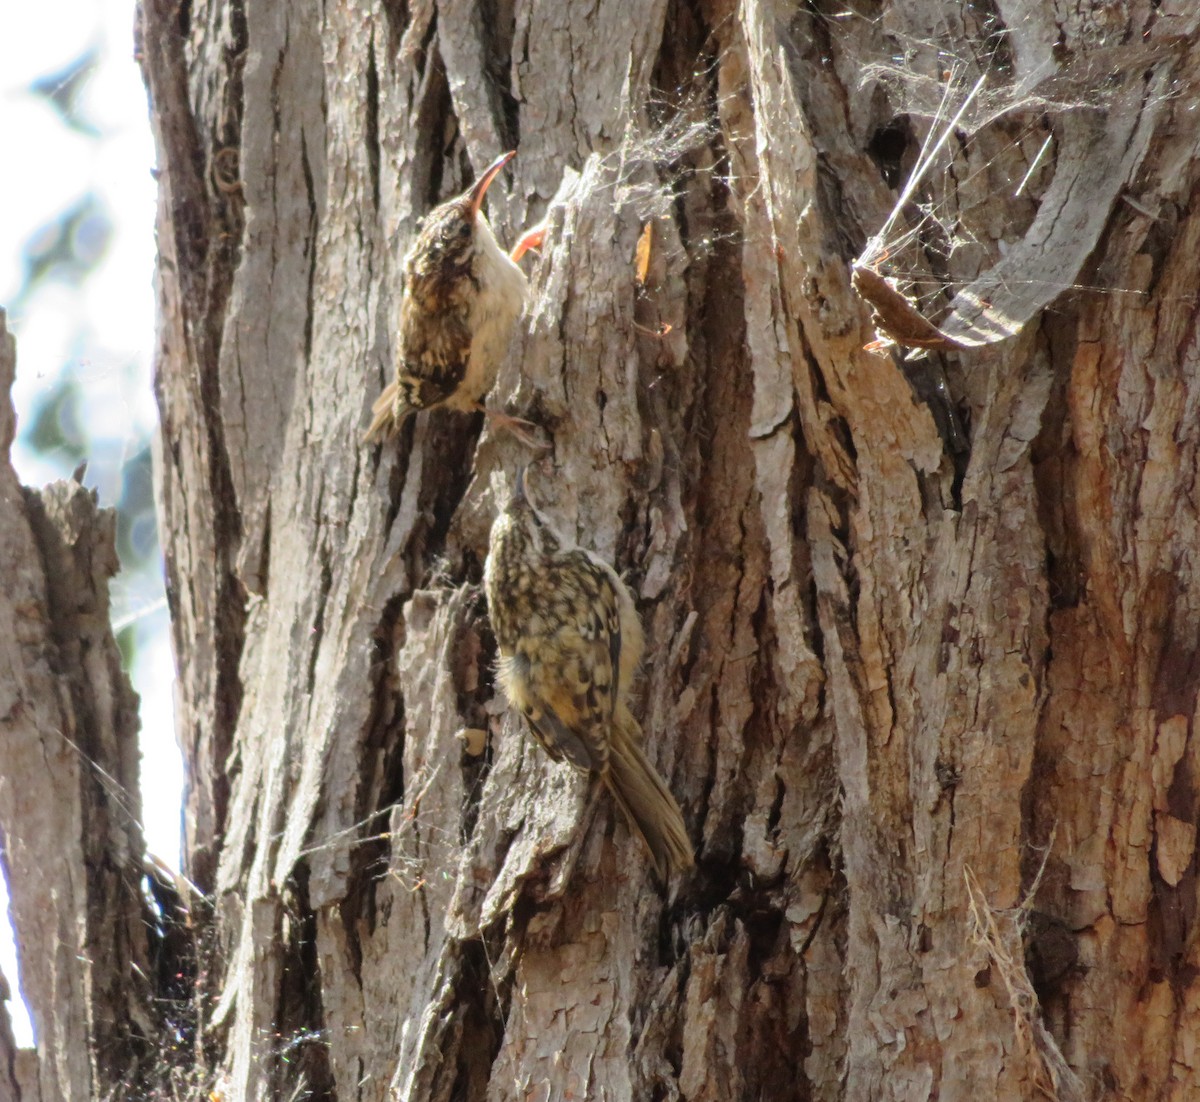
column 54, row 168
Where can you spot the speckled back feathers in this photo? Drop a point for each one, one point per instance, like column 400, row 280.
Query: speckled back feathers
column 557, row 615
column 570, row 641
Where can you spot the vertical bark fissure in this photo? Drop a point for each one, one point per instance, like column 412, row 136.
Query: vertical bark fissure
column 205, row 232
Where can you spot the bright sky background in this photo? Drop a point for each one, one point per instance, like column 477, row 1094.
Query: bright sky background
column 48, row 168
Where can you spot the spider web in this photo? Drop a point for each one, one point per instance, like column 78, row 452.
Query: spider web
column 1017, row 173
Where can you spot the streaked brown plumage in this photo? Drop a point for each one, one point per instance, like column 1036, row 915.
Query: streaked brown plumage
column 570, row 642
column 462, row 295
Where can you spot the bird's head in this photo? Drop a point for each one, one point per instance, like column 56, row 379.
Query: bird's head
column 522, row 516
column 445, row 248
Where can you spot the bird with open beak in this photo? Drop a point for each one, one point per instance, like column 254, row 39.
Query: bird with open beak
column 462, row 294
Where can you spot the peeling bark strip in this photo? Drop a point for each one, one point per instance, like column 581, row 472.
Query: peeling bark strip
column 877, row 663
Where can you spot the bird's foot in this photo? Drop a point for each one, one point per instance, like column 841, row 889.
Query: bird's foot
column 532, row 238
column 520, row 428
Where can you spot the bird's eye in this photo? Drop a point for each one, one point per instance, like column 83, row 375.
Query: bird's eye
column 464, row 230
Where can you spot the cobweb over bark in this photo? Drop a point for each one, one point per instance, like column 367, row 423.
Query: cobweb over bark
column 1050, row 139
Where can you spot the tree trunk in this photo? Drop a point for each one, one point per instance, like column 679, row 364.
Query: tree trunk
column 90, row 946
column 922, row 631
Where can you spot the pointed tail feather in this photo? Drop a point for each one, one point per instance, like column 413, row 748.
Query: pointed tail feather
column 645, row 799
column 387, row 415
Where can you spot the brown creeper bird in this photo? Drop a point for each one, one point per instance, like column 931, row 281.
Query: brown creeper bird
column 570, row 642
column 462, row 294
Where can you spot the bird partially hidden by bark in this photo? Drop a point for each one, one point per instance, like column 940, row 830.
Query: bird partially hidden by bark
column 462, row 294
column 570, row 642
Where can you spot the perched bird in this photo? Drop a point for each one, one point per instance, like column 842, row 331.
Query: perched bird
column 570, row 642
column 462, row 295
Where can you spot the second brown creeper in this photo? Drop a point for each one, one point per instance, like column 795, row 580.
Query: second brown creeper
column 462, row 295
column 570, row 641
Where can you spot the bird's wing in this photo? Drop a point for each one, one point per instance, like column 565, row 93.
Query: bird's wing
column 434, row 347
column 570, row 655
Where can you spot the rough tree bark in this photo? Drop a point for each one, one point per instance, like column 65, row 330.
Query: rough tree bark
column 922, row 672
column 69, row 809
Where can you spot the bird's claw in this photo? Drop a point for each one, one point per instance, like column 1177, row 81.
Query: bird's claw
column 520, row 428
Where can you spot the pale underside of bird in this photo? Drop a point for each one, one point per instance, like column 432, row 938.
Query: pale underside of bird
column 462, row 295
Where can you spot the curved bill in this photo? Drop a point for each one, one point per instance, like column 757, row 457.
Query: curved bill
column 478, row 191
